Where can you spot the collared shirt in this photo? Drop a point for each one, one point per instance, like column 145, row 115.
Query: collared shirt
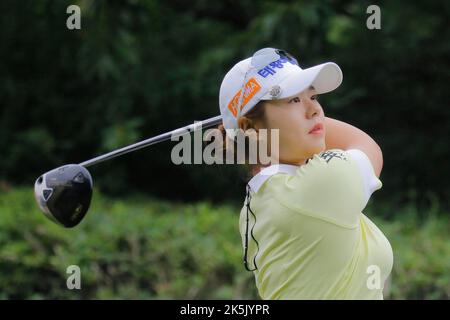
column 314, row 242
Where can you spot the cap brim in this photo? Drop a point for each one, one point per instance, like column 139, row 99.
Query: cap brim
column 324, row 78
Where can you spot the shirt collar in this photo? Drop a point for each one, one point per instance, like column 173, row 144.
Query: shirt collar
column 258, row 180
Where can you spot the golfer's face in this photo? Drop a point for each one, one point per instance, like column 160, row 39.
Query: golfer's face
column 295, row 117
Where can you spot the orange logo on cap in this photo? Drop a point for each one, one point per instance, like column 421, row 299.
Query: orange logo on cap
column 250, row 89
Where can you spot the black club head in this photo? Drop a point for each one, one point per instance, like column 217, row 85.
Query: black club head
column 64, row 194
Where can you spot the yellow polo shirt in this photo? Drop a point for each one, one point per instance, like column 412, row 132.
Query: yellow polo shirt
column 314, row 242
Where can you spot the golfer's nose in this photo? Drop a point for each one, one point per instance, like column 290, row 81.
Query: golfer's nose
column 312, row 108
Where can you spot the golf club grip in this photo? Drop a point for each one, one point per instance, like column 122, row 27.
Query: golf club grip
column 162, row 137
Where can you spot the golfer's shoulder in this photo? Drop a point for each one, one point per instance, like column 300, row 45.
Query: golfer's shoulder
column 328, row 166
column 327, row 188
column 337, row 165
column 331, row 177
column 332, row 172
column 325, row 168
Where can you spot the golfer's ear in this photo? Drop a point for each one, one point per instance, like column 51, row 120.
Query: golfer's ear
column 245, row 123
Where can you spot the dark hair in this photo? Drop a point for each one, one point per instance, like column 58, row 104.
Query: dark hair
column 257, row 113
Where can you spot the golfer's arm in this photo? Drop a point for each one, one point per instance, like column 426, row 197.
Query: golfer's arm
column 341, row 135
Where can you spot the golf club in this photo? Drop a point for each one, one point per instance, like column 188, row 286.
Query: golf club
column 64, row 194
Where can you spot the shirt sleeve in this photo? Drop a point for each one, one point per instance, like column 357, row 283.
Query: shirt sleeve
column 369, row 180
column 333, row 185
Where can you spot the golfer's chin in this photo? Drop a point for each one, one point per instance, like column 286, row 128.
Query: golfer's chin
column 306, row 154
column 316, row 147
column 297, row 153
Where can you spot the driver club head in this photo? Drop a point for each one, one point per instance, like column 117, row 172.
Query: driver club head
column 64, row 194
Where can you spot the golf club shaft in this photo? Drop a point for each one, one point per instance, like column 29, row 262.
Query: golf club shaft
column 162, row 137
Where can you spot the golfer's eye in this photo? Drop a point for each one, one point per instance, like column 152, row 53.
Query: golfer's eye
column 315, row 97
column 295, row 100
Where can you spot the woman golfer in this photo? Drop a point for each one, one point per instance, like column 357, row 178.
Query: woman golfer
column 303, row 231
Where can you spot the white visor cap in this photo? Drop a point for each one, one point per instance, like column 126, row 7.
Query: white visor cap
column 279, row 79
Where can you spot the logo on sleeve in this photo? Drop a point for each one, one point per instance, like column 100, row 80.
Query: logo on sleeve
column 329, row 154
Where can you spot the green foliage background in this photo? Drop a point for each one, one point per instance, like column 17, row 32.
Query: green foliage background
column 136, row 248
column 139, row 68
